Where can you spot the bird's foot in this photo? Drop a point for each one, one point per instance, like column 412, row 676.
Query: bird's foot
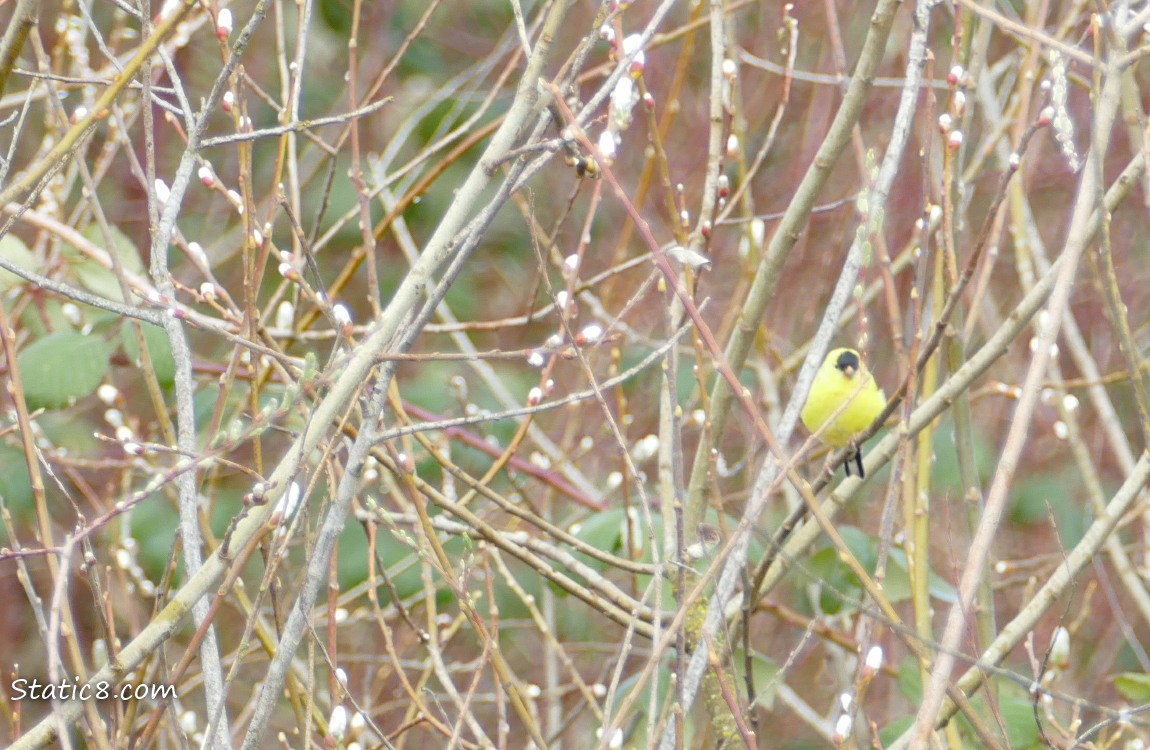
column 854, row 456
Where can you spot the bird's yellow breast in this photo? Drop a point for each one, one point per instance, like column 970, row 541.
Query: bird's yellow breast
column 830, row 390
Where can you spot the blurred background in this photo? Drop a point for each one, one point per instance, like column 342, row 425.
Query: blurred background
column 343, row 138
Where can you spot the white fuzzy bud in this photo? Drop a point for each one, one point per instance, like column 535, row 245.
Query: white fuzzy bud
column 1060, row 648
column 285, row 314
column 645, row 448
column 72, row 313
column 843, row 728
column 590, row 335
column 624, row 97
column 224, row 24
column 688, row 257
column 337, row 724
column 616, row 740
column 196, row 250
column 633, row 43
column 606, row 144
column 874, row 659
column 287, row 504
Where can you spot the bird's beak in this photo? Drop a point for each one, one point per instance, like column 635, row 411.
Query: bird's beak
column 849, row 371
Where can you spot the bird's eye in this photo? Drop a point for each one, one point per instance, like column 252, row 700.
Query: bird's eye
column 847, row 362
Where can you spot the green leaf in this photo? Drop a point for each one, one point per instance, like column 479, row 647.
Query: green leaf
column 841, row 585
column 153, row 525
column 603, row 531
column 95, row 277
column 1015, row 711
column 74, row 433
column 1134, row 686
column 897, row 575
column 1037, row 499
column 15, row 489
column 838, row 584
column 159, row 350
column 897, row 728
column 15, row 486
column 42, row 319
column 61, row 368
column 765, row 673
column 13, row 250
column 661, row 683
column 609, row 529
column 910, row 680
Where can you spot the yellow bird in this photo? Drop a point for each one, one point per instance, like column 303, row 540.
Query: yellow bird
column 843, row 379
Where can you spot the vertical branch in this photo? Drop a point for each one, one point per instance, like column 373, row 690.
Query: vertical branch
column 24, row 17
column 1080, row 230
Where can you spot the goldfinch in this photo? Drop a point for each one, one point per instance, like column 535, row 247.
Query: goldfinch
column 843, row 379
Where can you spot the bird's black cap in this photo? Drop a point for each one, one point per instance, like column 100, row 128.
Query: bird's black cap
column 847, row 362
